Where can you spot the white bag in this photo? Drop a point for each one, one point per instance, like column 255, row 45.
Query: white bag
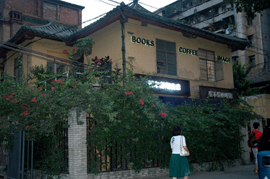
column 183, row 152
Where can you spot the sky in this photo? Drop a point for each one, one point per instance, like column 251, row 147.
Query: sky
column 94, row 8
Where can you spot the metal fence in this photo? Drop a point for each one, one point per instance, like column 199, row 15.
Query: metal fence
column 111, row 158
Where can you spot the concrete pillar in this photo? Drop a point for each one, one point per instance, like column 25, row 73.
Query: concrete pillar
column 245, row 155
column 77, row 149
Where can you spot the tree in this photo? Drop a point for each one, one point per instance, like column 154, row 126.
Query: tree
column 241, row 81
column 250, row 7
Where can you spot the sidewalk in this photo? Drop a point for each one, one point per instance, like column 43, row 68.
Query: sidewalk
column 239, row 172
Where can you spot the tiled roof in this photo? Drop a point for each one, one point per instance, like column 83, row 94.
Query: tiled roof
column 136, row 10
column 50, row 30
column 58, row 32
column 260, row 77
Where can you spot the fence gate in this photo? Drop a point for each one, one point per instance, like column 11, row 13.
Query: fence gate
column 19, row 165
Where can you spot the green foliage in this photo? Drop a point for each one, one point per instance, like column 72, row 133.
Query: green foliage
column 250, row 7
column 241, row 81
column 128, row 119
column 84, row 46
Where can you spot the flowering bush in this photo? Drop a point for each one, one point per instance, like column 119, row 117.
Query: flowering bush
column 126, row 114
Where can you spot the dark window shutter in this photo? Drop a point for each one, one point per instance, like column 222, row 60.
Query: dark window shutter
column 171, row 64
column 219, row 70
column 170, row 47
column 161, row 45
column 161, row 62
column 166, row 57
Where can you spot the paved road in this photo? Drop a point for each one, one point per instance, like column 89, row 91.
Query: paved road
column 239, row 172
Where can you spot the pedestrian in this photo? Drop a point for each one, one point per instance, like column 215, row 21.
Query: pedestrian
column 258, row 134
column 179, row 166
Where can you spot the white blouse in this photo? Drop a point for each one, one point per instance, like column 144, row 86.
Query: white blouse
column 175, row 143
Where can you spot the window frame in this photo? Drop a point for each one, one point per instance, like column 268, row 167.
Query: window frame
column 249, row 21
column 251, row 39
column 18, row 69
column 213, row 77
column 253, row 60
column 166, row 71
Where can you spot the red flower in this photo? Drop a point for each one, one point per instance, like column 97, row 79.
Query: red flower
column 12, row 94
column 106, row 83
column 165, row 108
column 65, row 51
column 83, row 78
column 129, row 93
column 12, row 101
column 34, row 100
column 97, row 60
column 141, row 101
column 15, row 99
column 52, row 88
column 25, row 113
column 154, row 105
column 53, row 81
column 26, row 127
column 42, row 94
column 74, row 87
column 162, row 114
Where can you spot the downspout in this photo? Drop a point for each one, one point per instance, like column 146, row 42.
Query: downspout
column 123, row 48
column 123, row 19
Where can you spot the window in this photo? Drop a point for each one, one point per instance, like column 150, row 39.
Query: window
column 234, row 58
column 250, row 38
column 252, row 60
column 166, row 57
column 210, row 69
column 60, row 68
column 18, row 69
column 249, row 21
column 223, row 8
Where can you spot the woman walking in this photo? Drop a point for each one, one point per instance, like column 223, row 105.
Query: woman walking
column 178, row 164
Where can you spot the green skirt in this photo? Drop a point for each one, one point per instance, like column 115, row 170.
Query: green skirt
column 179, row 166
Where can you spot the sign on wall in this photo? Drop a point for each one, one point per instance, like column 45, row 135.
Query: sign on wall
column 142, row 41
column 195, row 53
column 171, row 86
column 217, row 93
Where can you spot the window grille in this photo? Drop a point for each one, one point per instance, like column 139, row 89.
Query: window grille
column 210, row 70
column 166, row 57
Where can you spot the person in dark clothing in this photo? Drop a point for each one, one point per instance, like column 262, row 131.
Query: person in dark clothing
column 264, row 141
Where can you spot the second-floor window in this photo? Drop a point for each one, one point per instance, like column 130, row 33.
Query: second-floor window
column 210, row 70
column 250, row 38
column 18, row 69
column 166, row 57
column 249, row 21
column 252, row 60
column 60, row 68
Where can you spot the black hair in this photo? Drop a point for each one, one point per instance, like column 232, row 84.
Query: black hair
column 256, row 125
column 177, row 130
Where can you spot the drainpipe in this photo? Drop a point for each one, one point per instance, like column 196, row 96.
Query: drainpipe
column 123, row 48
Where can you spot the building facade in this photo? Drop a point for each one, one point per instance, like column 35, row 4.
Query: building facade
column 220, row 17
column 187, row 62
column 194, row 62
column 15, row 13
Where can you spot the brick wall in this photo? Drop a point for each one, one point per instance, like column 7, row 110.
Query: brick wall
column 24, row 6
column 49, row 11
column 69, row 16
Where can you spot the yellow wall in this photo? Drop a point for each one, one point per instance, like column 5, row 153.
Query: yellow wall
column 108, row 42
column 46, row 46
column 261, row 104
